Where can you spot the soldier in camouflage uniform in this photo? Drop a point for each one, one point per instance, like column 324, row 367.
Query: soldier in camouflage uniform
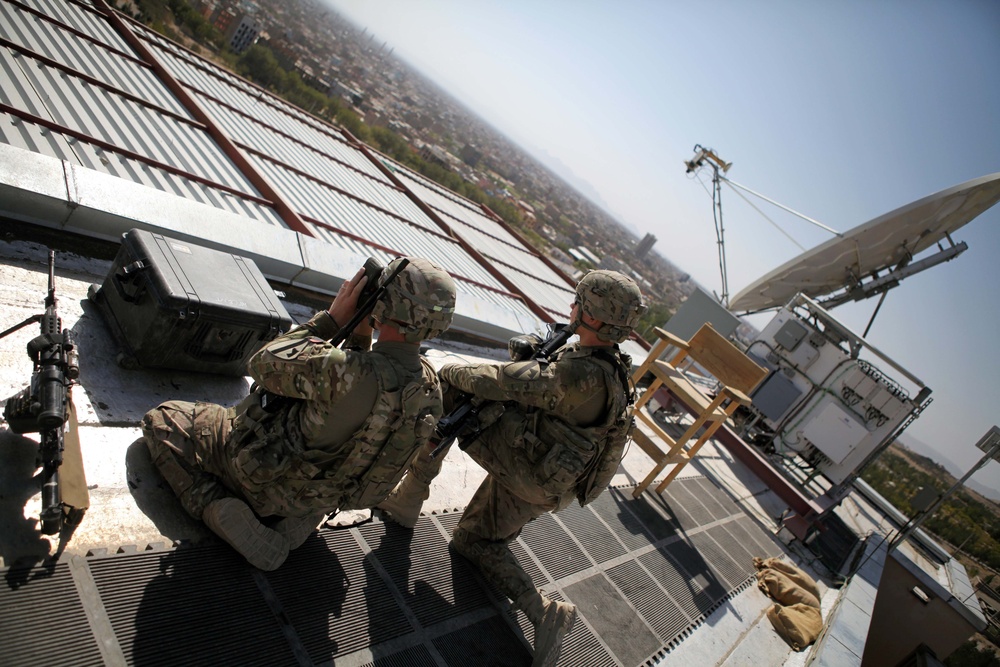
column 325, row 429
column 560, row 437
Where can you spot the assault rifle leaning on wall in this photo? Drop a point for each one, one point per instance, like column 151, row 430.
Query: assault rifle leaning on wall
column 45, row 407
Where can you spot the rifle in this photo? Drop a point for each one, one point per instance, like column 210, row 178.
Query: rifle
column 43, row 406
column 370, row 294
column 462, row 422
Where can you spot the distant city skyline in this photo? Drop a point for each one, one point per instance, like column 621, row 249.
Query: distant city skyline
column 843, row 112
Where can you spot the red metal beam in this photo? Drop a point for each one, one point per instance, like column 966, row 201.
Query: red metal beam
column 97, row 83
column 340, row 191
column 257, row 179
column 530, row 248
column 77, row 33
column 398, row 253
column 538, row 310
column 112, row 148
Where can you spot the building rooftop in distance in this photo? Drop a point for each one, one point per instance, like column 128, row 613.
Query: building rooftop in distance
column 110, row 127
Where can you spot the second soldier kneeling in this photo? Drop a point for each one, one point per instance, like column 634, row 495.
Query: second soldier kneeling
column 559, row 438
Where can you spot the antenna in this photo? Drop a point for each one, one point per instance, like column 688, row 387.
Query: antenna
column 873, row 258
column 701, row 156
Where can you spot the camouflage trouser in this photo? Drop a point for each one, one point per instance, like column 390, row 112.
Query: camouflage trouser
column 508, row 498
column 198, row 449
column 187, row 443
column 493, row 519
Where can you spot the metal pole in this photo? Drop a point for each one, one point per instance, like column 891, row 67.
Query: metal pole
column 915, row 523
column 720, row 233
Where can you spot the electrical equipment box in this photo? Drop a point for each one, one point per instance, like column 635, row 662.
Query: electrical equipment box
column 825, row 409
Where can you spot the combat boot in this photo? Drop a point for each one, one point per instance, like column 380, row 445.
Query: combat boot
column 552, row 620
column 297, row 530
column 235, row 522
column 404, row 503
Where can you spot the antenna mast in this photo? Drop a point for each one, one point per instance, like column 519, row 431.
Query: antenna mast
column 701, row 156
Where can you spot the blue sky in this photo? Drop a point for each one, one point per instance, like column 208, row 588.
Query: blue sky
column 842, row 111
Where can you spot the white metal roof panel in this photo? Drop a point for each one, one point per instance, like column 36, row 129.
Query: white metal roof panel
column 533, row 276
column 321, row 173
column 78, row 105
column 210, row 80
column 17, row 132
column 456, row 207
column 23, row 134
column 323, row 167
column 54, row 42
column 481, row 231
column 86, row 20
column 358, row 219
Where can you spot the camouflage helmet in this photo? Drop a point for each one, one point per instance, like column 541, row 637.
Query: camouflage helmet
column 420, row 301
column 614, row 299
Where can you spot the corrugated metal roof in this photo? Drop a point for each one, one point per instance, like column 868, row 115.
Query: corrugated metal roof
column 537, row 279
column 75, row 90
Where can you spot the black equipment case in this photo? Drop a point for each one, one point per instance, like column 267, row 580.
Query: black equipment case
column 174, row 304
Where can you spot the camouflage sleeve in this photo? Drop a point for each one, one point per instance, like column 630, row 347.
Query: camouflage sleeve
column 558, row 387
column 302, row 364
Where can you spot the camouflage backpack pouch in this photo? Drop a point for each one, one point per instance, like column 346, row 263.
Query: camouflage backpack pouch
column 403, row 420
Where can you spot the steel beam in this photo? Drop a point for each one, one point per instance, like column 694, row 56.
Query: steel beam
column 231, row 150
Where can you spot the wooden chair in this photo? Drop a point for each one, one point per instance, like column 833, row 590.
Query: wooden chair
column 736, row 374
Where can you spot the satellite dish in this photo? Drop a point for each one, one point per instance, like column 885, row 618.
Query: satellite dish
column 884, row 245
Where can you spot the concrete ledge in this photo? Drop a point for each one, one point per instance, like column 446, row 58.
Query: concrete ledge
column 53, row 193
column 846, row 629
column 33, row 187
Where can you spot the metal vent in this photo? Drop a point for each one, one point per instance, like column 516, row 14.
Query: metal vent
column 652, row 602
column 380, row 594
column 596, row 538
column 553, row 547
column 34, row 597
column 611, row 507
column 488, row 642
column 191, row 606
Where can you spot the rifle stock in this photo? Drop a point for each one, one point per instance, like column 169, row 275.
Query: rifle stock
column 461, row 421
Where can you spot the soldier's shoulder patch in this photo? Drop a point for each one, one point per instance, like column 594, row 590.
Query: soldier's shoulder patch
column 291, row 349
column 523, row 370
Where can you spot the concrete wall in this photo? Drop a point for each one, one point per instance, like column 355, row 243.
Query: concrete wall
column 901, row 620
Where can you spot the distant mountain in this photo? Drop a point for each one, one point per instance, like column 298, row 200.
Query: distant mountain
column 922, row 448
column 581, row 185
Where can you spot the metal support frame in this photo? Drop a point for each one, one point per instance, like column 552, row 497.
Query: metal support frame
column 542, row 313
column 990, row 444
column 882, row 284
column 228, row 147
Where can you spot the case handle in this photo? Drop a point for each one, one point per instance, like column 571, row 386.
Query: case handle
column 127, row 283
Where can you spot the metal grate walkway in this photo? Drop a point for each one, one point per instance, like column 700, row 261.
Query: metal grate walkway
column 642, row 572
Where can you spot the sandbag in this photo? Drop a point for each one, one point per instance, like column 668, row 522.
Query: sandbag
column 780, row 588
column 791, row 571
column 798, row 624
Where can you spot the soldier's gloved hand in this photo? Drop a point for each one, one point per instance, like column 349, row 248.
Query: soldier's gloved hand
column 523, row 347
